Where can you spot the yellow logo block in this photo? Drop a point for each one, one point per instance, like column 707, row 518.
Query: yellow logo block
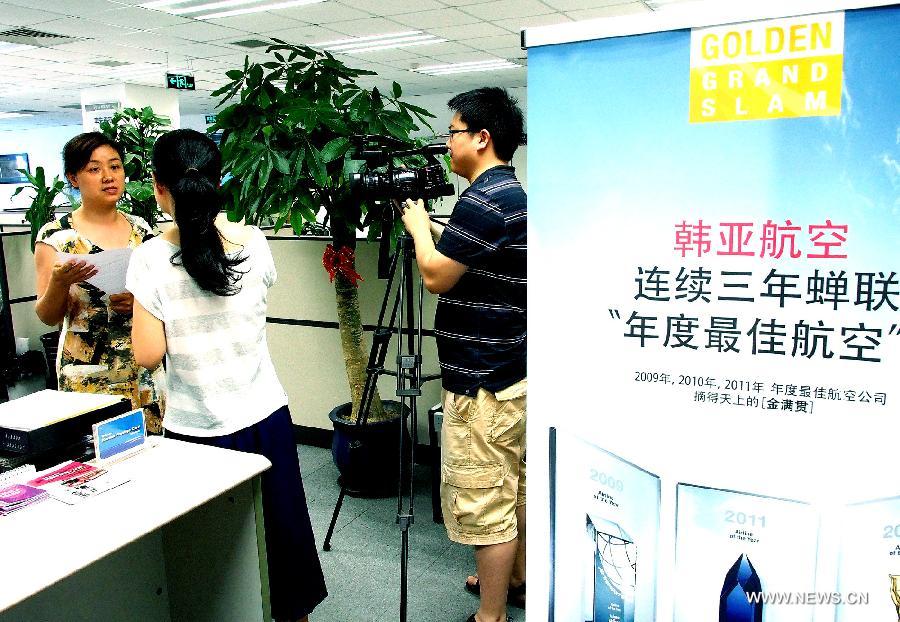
column 804, row 87
column 767, row 70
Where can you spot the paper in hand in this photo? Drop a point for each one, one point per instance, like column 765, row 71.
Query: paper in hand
column 111, row 268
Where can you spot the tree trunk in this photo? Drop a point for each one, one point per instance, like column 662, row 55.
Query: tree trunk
column 356, row 357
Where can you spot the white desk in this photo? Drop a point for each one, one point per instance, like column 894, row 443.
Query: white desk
column 183, row 540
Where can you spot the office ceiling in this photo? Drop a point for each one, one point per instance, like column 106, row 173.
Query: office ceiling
column 109, row 41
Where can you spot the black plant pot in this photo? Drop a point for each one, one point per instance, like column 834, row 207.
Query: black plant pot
column 50, row 341
column 368, row 456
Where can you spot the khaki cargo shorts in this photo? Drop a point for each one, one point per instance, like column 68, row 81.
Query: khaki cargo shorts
column 483, row 464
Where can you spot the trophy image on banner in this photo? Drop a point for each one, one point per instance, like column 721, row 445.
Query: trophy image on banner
column 604, row 511
column 733, row 549
column 613, row 574
column 895, row 593
column 869, row 562
column 736, row 604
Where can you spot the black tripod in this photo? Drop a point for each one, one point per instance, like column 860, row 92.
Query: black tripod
column 406, row 320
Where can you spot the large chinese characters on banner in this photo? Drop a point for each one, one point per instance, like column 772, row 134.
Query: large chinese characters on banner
column 714, row 299
column 780, row 279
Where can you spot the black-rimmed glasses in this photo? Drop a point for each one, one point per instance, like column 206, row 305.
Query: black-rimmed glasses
column 450, row 133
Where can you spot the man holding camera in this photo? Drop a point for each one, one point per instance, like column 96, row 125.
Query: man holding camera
column 479, row 268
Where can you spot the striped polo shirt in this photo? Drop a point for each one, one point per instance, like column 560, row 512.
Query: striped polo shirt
column 480, row 322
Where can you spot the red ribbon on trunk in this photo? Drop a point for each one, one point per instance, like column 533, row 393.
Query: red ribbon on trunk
column 341, row 261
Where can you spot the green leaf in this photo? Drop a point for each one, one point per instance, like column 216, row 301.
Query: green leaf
column 250, row 214
column 267, row 208
column 264, row 100
column 359, row 108
column 215, row 93
column 234, row 211
column 296, row 221
column 250, row 189
column 335, row 148
column 396, row 89
column 396, row 127
column 341, row 100
column 306, row 52
column 308, row 205
column 266, row 170
column 298, row 162
column 418, row 110
column 316, row 166
column 281, row 163
column 279, row 222
column 254, row 75
column 337, row 125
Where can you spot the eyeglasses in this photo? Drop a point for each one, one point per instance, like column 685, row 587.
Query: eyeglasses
column 450, row 133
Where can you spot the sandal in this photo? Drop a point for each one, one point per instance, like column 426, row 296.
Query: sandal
column 471, row 618
column 515, row 596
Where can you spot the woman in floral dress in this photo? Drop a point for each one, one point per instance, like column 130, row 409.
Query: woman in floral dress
column 95, row 353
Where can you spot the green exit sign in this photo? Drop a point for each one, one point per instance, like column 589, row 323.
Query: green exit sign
column 179, row 81
column 210, row 118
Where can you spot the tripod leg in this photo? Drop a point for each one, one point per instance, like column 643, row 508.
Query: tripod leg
column 404, row 572
column 409, row 367
column 326, row 546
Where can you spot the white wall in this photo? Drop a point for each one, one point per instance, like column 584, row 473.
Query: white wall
column 196, row 121
column 308, row 359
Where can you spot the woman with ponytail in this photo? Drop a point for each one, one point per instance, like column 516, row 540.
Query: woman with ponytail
column 200, row 301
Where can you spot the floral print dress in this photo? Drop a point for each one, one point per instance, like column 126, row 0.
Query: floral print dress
column 95, row 353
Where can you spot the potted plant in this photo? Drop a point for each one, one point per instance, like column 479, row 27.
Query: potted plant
column 38, row 214
column 286, row 144
column 136, row 131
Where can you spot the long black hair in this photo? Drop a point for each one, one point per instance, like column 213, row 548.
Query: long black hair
column 189, row 165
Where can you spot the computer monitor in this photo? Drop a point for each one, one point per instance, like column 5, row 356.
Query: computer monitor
column 9, row 168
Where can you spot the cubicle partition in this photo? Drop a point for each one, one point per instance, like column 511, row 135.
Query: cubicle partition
column 303, row 332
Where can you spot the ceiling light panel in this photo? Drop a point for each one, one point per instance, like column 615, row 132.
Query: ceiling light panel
column 468, row 67
column 8, row 48
column 360, row 45
column 205, row 9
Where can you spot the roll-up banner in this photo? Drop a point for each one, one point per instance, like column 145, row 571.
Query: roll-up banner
column 714, row 413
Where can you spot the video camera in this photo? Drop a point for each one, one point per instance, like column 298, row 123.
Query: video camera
column 424, row 182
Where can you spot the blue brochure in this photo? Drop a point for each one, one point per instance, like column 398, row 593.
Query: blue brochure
column 121, row 434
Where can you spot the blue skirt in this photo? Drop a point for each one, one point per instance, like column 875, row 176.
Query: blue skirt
column 296, row 582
